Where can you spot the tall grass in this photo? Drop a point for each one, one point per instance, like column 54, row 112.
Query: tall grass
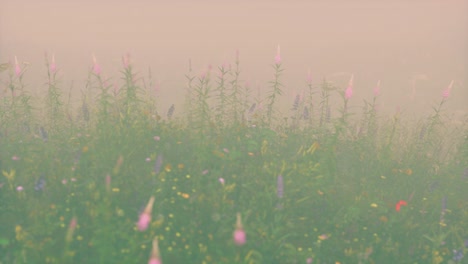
column 302, row 187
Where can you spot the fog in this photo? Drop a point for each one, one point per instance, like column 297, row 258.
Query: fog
column 410, row 46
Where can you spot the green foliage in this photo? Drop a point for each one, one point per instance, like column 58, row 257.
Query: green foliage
column 340, row 186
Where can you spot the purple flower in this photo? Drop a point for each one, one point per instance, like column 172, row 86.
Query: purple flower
column 158, row 164
column 279, row 186
column 40, row 184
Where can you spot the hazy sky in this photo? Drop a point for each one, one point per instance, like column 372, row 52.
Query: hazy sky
column 401, row 43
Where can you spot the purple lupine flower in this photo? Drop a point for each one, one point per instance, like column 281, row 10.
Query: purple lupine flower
column 44, row 135
column 296, row 102
column 305, row 114
column 279, row 186
column 328, row 115
column 457, row 255
column 252, row 108
column 423, row 132
column 40, row 184
column 171, row 110
column 158, row 164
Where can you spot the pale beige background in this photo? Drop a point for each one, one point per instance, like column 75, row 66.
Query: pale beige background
column 402, row 43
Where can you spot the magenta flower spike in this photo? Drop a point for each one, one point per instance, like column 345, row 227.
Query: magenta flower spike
column 446, row 93
column 126, row 60
column 145, row 216
column 155, row 257
column 96, row 67
column 377, row 89
column 278, row 56
column 53, row 66
column 17, row 68
column 239, row 234
column 349, row 90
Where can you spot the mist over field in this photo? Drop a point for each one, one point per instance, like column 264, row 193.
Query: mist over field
column 415, row 48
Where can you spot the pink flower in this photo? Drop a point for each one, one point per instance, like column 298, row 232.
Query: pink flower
column 446, row 93
column 278, row 56
column 96, row 67
column 53, row 66
column 155, row 257
column 377, row 89
column 15, row 158
column 349, row 90
column 126, row 60
column 71, row 229
column 145, row 216
column 17, row 68
column 205, row 172
column 239, row 234
column 19, row 188
column 156, row 138
column 221, row 180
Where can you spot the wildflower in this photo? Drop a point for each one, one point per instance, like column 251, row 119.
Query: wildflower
column 158, row 164
column 17, row 68
column 305, row 114
column 96, row 67
column 40, row 184
column 15, row 158
column 309, row 77
column 252, row 108
column 145, row 216
column 171, row 110
column 324, row 237
column 226, row 150
column 64, row 181
column 309, row 261
column 156, row 138
column 377, row 89
column 399, row 204
column 108, row 182
column 239, row 233
column 19, row 188
column 155, row 257
column 296, row 102
column 205, row 172
column 458, row 255
column 53, row 66
column 43, row 133
column 71, row 229
column 349, row 90
column 126, row 60
column 278, row 56
column 221, row 180
column 446, row 92
column 279, row 186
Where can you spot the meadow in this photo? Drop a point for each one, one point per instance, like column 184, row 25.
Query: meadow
column 227, row 177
